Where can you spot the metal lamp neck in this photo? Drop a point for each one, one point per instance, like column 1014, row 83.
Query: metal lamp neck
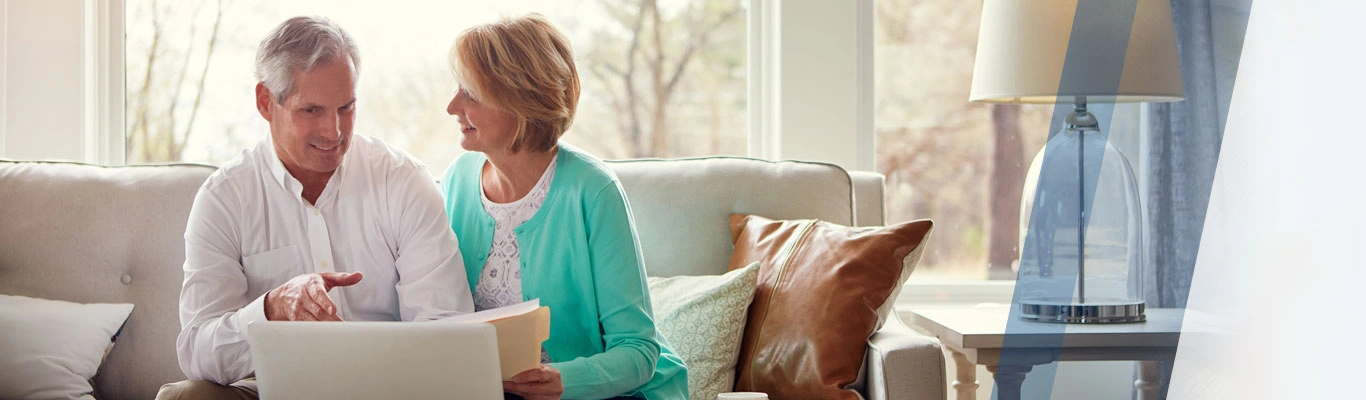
column 1080, row 119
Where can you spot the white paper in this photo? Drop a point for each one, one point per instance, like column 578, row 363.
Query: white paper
column 495, row 313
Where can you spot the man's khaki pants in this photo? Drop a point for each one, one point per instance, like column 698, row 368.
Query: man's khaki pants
column 241, row 390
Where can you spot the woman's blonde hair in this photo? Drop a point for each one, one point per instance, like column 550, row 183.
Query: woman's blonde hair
column 522, row 66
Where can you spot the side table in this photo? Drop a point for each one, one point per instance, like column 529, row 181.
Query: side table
column 976, row 335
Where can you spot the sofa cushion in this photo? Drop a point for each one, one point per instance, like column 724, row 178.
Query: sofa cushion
column 51, row 349
column 823, row 289
column 703, row 318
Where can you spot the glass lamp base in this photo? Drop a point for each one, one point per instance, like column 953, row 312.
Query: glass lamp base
column 1090, row 313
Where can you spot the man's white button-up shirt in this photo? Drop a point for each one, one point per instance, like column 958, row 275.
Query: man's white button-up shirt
column 250, row 230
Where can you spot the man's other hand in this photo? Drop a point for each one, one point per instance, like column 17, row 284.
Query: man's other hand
column 304, row 298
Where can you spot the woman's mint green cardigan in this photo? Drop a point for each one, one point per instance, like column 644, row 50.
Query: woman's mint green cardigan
column 581, row 257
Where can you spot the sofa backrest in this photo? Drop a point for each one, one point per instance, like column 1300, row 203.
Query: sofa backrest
column 682, row 207
column 91, row 234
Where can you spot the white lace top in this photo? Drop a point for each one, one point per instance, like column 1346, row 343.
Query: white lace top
column 500, row 283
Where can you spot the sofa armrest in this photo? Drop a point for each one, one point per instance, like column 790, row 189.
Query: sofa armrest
column 904, row 365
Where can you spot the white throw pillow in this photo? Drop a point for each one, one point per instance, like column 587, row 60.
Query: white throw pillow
column 703, row 317
column 50, row 349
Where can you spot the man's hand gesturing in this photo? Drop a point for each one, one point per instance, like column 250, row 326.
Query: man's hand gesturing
column 304, row 298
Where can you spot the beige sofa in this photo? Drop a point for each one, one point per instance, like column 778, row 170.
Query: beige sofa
column 90, row 234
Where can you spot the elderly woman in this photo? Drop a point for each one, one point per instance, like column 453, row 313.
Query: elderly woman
column 541, row 219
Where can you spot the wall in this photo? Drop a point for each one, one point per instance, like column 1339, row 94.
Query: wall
column 44, row 79
column 4, row 86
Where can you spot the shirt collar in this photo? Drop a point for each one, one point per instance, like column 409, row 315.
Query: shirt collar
column 277, row 168
column 291, row 184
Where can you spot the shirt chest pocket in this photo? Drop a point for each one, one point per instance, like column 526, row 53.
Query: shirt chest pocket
column 271, row 268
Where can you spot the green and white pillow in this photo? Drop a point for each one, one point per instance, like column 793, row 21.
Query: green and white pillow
column 703, row 317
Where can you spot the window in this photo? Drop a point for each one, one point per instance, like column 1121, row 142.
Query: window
column 678, row 91
column 940, row 153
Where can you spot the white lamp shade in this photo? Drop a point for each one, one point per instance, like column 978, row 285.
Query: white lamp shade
column 1023, row 45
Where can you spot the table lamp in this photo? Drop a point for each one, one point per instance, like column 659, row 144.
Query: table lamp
column 1081, row 260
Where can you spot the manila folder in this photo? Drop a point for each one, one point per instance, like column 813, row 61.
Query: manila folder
column 521, row 329
column 519, row 340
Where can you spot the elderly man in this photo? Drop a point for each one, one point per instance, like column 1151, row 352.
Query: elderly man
column 314, row 224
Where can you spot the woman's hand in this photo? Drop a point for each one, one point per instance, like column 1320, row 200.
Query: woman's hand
column 536, row 384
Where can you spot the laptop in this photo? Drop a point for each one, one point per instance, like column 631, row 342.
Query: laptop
column 375, row 360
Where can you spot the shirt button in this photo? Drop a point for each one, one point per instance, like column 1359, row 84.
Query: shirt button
column 324, row 263
column 315, row 212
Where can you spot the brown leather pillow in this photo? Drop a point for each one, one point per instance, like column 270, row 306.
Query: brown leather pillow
column 823, row 290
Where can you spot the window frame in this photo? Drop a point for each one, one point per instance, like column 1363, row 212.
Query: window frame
column 105, row 134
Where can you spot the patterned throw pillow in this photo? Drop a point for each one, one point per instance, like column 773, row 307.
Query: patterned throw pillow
column 703, row 317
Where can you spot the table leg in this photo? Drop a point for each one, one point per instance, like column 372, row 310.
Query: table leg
column 1148, row 381
column 965, row 383
column 1008, row 380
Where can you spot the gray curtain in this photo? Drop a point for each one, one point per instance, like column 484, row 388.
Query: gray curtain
column 1182, row 145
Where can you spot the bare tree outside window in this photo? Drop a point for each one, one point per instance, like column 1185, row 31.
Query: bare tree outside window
column 661, row 78
column 962, row 164
column 671, row 67
column 167, row 91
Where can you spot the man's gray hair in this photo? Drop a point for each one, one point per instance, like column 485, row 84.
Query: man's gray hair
column 300, row 44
